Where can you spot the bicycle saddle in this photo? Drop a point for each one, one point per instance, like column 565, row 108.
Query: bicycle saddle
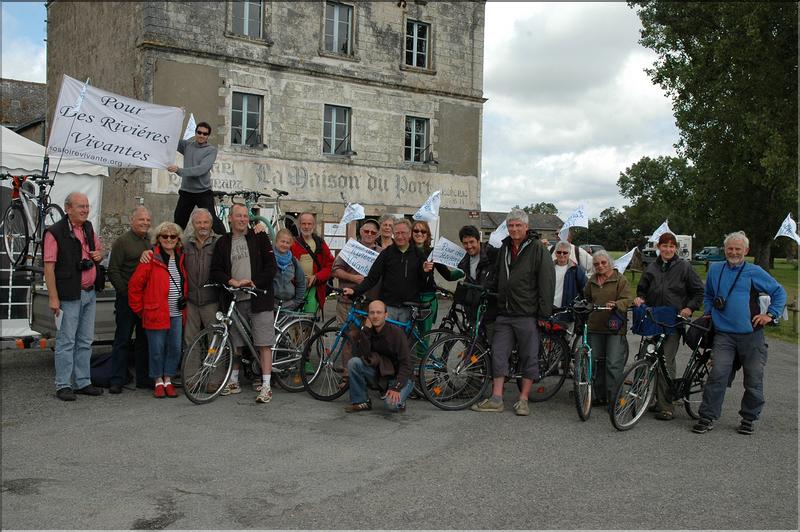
column 280, row 192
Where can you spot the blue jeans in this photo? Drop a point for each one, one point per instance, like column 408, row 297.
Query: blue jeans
column 73, row 355
column 752, row 352
column 127, row 321
column 165, row 348
column 362, row 374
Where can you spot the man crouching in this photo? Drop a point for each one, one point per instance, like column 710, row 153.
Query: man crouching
column 381, row 359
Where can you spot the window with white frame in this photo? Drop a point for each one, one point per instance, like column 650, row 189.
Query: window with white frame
column 417, row 43
column 336, row 130
column 247, row 18
column 416, row 139
column 338, row 28
column 246, row 119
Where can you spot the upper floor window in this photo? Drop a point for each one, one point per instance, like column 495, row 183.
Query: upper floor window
column 247, row 18
column 338, row 28
column 246, row 119
column 417, row 43
column 416, row 142
column 336, row 130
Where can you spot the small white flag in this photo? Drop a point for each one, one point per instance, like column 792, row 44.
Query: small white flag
column 577, row 219
column 353, row 212
column 430, row 209
column 788, row 229
column 621, row 264
column 191, row 125
column 498, row 235
column 447, row 253
column 663, row 228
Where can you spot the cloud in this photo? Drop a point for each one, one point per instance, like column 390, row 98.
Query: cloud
column 22, row 57
column 569, row 105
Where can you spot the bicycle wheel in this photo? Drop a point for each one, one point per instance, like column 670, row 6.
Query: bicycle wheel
column 418, row 351
column 455, row 372
column 693, row 390
column 288, row 353
column 207, row 365
column 582, row 384
column 289, row 222
column 254, row 220
column 553, row 367
column 322, row 365
column 633, row 395
column 52, row 213
column 15, row 233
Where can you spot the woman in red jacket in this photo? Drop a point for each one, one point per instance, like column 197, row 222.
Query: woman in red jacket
column 157, row 292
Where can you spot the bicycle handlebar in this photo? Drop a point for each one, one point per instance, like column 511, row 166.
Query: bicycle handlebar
column 681, row 321
column 32, row 177
column 247, row 289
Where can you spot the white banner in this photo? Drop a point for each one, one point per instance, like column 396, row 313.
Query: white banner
column 497, row 236
column 447, row 253
column 353, row 212
column 621, row 264
column 113, row 130
column 359, row 257
column 191, row 125
column 577, row 219
column 788, row 229
column 663, row 228
column 430, row 209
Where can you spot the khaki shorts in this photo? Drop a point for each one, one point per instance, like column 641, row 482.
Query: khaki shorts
column 262, row 325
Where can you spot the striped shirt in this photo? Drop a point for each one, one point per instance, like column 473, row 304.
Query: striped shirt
column 174, row 288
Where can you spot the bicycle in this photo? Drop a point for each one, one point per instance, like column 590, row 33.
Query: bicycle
column 636, row 390
column 456, row 371
column 583, row 362
column 323, row 360
column 277, row 219
column 207, row 364
column 250, row 200
column 30, row 213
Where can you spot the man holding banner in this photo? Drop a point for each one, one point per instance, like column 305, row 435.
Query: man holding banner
column 198, row 159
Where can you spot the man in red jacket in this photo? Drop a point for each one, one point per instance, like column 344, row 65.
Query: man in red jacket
column 316, row 260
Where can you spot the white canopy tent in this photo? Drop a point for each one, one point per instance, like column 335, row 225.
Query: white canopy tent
column 20, row 156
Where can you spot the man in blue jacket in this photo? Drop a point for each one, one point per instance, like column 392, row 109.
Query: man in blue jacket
column 731, row 298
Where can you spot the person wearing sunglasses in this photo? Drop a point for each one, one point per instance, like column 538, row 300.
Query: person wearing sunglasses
column 570, row 276
column 157, row 293
column 195, row 190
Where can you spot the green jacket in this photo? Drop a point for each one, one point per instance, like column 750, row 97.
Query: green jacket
column 526, row 283
column 615, row 288
column 124, row 259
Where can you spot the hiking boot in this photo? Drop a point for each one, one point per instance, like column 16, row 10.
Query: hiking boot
column 487, row 405
column 231, row 388
column 521, row 408
column 265, row 395
column 746, row 427
column 703, row 426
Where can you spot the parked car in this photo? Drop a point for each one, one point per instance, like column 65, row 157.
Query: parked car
column 709, row 254
column 591, row 248
column 649, row 256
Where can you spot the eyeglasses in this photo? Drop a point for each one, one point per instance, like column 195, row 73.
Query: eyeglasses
column 420, row 232
column 562, row 252
column 168, row 237
column 202, row 133
column 601, row 263
column 369, row 232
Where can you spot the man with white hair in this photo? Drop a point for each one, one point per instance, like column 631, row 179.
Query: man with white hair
column 731, row 299
column 202, row 303
column 525, row 282
column 125, row 255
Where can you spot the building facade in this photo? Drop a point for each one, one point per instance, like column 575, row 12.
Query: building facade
column 23, row 105
column 372, row 102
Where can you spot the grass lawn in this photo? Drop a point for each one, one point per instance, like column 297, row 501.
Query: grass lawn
column 786, row 273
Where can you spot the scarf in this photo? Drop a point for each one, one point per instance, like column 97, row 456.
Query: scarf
column 283, row 259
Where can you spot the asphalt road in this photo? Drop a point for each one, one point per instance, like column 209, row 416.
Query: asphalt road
column 131, row 461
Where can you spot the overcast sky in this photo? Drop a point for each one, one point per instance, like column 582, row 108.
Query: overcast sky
column 569, row 105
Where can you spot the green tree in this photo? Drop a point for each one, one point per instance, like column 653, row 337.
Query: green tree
column 540, row 208
column 730, row 69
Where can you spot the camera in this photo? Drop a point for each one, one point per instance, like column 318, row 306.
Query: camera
column 719, row 303
column 85, row 264
column 181, row 303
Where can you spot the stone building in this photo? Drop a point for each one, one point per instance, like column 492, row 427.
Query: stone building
column 547, row 225
column 23, row 105
column 371, row 102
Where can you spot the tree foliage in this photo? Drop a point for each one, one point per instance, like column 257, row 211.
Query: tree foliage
column 731, row 72
column 540, row 208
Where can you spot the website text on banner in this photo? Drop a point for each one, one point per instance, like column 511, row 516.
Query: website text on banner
column 112, row 130
column 447, row 253
column 359, row 257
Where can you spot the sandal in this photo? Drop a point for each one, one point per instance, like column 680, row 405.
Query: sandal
column 344, row 383
column 664, row 415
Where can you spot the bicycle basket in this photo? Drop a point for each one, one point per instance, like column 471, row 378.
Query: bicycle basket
column 643, row 325
column 694, row 337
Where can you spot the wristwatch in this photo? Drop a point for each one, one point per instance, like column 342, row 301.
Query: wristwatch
column 773, row 316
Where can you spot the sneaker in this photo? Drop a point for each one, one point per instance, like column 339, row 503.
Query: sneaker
column 746, row 427
column 169, row 390
column 487, row 406
column 65, row 394
column 665, row 415
column 231, row 388
column 89, row 390
column 264, row 396
column 703, row 426
column 521, row 408
column 358, row 407
column 256, row 385
column 159, row 392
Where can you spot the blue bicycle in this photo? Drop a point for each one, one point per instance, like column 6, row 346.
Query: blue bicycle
column 327, row 352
